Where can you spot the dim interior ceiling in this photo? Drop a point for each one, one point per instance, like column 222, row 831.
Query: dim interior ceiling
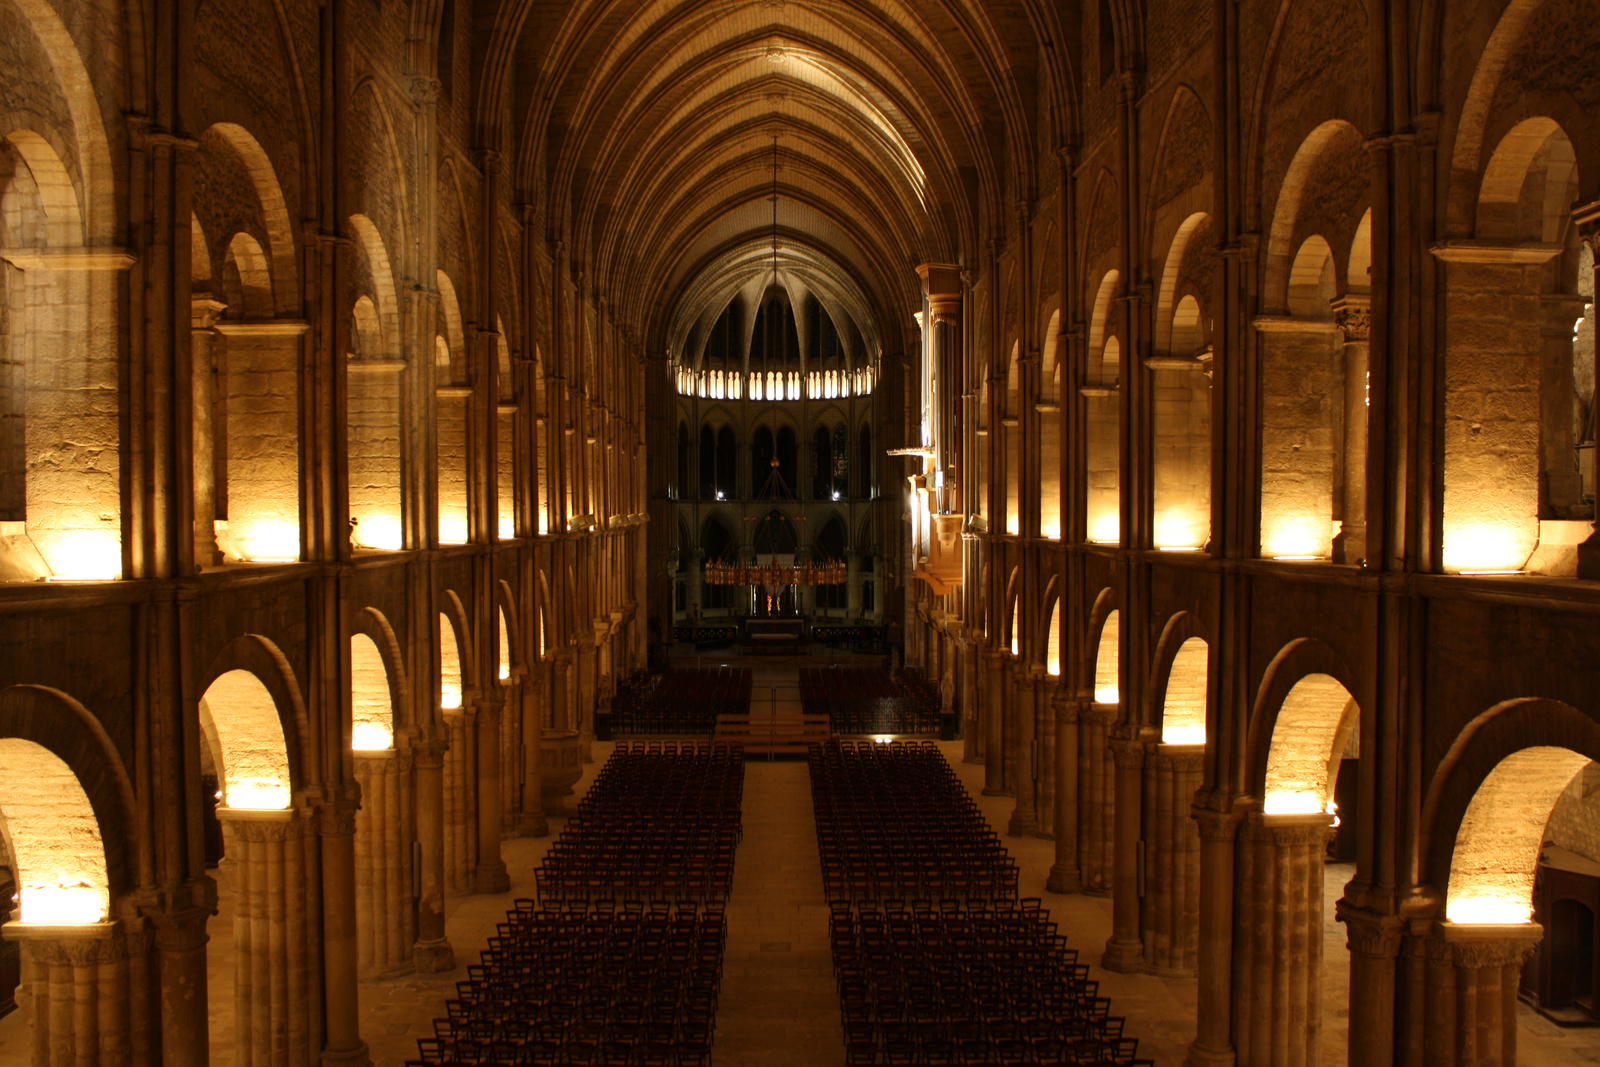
column 655, row 128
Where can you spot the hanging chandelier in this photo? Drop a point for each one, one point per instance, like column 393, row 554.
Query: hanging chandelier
column 824, row 572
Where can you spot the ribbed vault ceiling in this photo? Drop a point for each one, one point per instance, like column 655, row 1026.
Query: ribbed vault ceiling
column 652, row 125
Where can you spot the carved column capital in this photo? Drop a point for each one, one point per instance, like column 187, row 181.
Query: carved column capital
column 1353, row 315
column 1127, row 752
column 1475, row 947
column 424, row 89
column 1370, row 933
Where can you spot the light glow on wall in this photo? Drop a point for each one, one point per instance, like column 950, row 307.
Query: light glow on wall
column 1483, row 547
column 1497, row 844
column 380, row 532
column 1106, row 528
column 371, row 710
column 1183, row 735
column 239, row 713
column 82, row 555
column 1107, row 694
column 59, row 854
column 256, row 794
column 453, row 528
column 1487, row 911
column 449, row 665
column 1295, row 538
column 507, row 528
column 266, row 540
column 62, row 905
column 1292, row 803
column 371, row 737
column 1177, row 528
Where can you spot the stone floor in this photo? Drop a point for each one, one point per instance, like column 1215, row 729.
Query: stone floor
column 778, row 1004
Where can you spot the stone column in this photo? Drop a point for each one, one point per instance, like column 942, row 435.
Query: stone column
column 180, row 944
column 459, row 831
column 584, row 722
column 561, row 702
column 384, row 933
column 1025, row 816
column 1374, row 940
column 277, row 985
column 1011, row 772
column 77, row 995
column 993, row 716
column 531, row 821
column 971, row 686
column 1066, row 874
column 1044, row 754
column 336, row 830
column 694, row 581
column 202, row 351
column 432, row 952
column 1277, row 940
column 1353, row 315
column 1172, row 861
column 1125, row 948
column 489, row 872
column 510, row 751
column 1223, row 979
column 1096, row 798
column 1470, row 1008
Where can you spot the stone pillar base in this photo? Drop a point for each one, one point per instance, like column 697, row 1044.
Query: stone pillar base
column 347, row 1057
column 533, row 824
column 1205, row 1057
column 1024, row 826
column 434, row 957
column 491, row 878
column 1064, row 880
column 1123, row 957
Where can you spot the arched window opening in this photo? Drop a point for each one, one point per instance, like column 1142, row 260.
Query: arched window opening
column 59, row 854
column 1107, row 683
column 371, row 709
column 727, row 465
column 450, row 682
column 240, row 717
column 1052, row 662
column 788, row 461
column 680, row 488
column 841, row 462
column 864, row 464
column 1497, row 845
column 1183, row 712
column 821, row 464
column 503, row 670
column 1307, row 744
column 708, row 463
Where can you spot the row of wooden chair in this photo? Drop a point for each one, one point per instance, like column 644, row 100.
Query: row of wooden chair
column 942, row 977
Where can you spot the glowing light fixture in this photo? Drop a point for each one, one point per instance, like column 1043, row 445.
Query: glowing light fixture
column 507, row 528
column 64, row 905
column 256, row 794
column 1296, row 559
column 371, row 737
column 269, row 541
column 1107, row 694
column 379, row 532
column 1177, row 548
column 450, row 695
column 1487, row 911
column 882, row 739
column 1292, row 803
column 1483, row 549
column 1106, row 529
column 83, row 556
column 1183, row 735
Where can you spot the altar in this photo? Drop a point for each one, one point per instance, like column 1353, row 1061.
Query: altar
column 774, row 636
